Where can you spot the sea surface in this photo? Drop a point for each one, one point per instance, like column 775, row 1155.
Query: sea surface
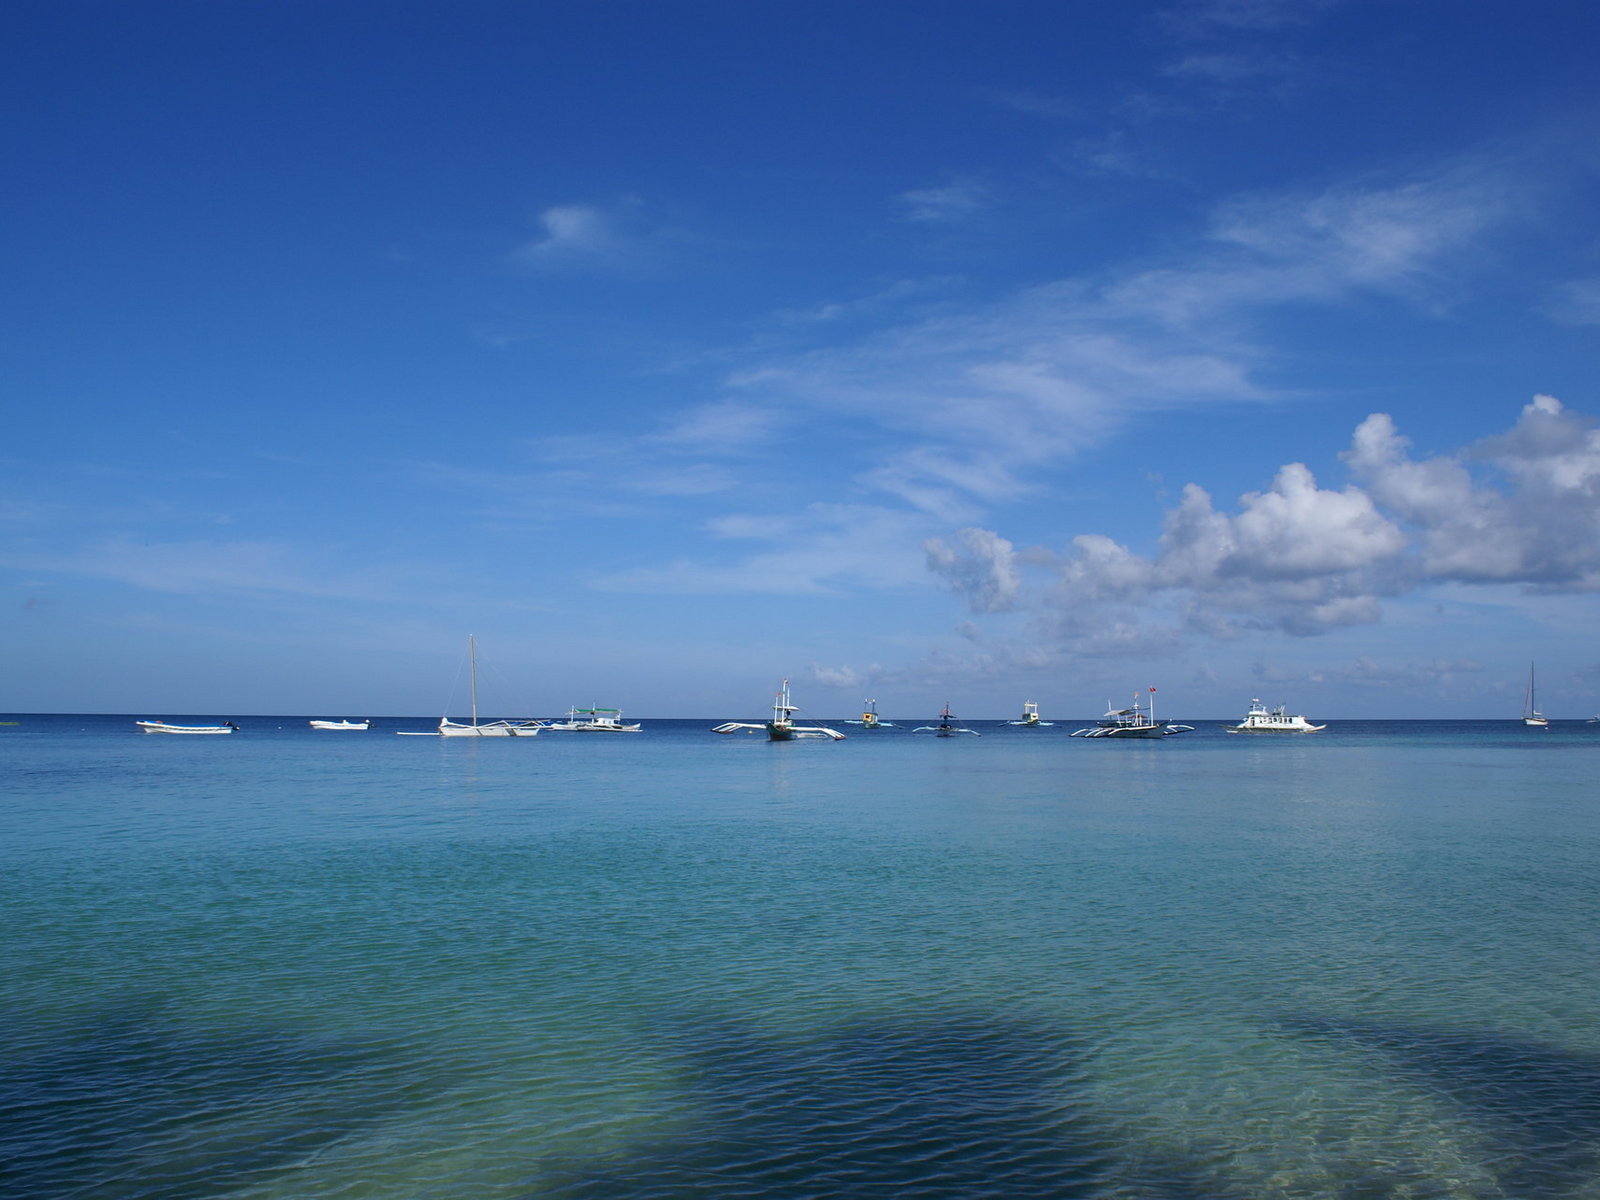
column 285, row 964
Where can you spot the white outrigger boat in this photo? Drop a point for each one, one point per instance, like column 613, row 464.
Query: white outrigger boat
column 1030, row 717
column 1131, row 722
column 1261, row 719
column 357, row 725
column 782, row 727
column 947, row 726
column 593, row 720
column 870, row 719
column 449, row 728
column 166, row 727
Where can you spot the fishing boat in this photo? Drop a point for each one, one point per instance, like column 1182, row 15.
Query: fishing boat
column 593, row 720
column 870, row 719
column 947, row 726
column 167, row 727
column 1261, row 719
column 1131, row 722
column 1530, row 706
column 781, row 728
column 356, row 725
column 449, row 728
column 1030, row 717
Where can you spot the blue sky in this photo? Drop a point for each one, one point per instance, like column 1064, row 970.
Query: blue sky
column 921, row 351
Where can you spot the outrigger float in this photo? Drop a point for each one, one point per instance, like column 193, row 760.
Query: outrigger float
column 782, row 727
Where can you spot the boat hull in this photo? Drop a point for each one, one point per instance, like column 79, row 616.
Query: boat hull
column 163, row 727
column 490, row 729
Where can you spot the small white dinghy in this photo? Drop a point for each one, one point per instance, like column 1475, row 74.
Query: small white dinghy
column 166, row 727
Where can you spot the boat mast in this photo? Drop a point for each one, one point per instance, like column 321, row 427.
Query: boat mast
column 472, row 656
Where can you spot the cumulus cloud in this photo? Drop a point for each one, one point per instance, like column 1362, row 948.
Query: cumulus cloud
column 1520, row 508
column 978, row 565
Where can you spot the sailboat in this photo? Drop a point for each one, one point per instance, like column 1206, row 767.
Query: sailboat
column 449, row 728
column 1530, row 706
column 782, row 727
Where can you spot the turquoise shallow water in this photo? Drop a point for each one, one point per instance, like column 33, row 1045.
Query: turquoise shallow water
column 1361, row 963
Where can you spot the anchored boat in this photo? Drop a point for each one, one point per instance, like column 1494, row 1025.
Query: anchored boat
column 449, row 728
column 1261, row 719
column 1030, row 717
column 593, row 720
column 947, row 726
column 870, row 719
column 782, row 727
column 1131, row 722
column 166, row 727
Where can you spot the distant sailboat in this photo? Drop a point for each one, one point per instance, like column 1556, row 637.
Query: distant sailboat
column 449, row 728
column 1530, row 706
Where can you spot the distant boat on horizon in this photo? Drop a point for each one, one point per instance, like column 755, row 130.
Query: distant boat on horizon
column 947, row 726
column 1530, row 706
column 168, row 727
column 1261, row 719
column 356, row 725
column 1030, row 717
column 781, row 728
column 1131, row 722
column 870, row 719
column 449, row 728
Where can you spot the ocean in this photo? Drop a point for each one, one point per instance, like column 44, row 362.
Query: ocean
column 284, row 964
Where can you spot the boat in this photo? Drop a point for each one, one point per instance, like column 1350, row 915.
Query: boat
column 1030, row 717
column 781, row 728
column 593, row 720
column 167, row 727
column 1261, row 719
column 340, row 724
column 870, row 719
column 449, row 728
column 1530, row 706
column 1131, row 722
column 947, row 726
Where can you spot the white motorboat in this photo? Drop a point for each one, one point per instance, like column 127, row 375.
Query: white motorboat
column 781, row 728
column 357, row 725
column 593, row 720
column 1030, row 717
column 947, row 726
column 449, row 728
column 167, row 727
column 1261, row 719
column 870, row 719
column 1531, row 715
column 1131, row 722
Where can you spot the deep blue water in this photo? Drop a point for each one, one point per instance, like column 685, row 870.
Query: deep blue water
column 1360, row 963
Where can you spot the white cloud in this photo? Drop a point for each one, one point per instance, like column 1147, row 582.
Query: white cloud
column 978, row 565
column 1303, row 560
column 941, row 205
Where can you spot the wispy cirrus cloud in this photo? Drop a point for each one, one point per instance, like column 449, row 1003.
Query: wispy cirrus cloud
column 261, row 568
